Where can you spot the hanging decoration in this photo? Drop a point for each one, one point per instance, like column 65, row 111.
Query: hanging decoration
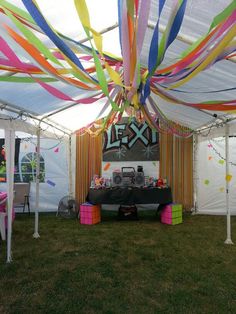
column 222, row 159
column 124, row 83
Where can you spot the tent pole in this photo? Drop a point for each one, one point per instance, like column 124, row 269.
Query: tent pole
column 36, row 223
column 10, row 161
column 195, row 177
column 69, row 167
column 228, row 240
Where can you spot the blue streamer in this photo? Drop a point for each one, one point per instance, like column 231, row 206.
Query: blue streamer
column 200, row 92
column 40, row 20
column 120, row 6
column 153, row 55
column 176, row 25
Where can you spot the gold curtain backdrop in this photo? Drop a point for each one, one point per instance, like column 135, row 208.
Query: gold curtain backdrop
column 176, row 164
column 88, row 163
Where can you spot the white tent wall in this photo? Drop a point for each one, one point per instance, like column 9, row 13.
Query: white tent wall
column 54, row 154
column 211, row 172
column 56, row 182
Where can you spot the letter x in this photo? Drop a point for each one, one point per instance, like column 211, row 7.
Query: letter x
column 138, row 134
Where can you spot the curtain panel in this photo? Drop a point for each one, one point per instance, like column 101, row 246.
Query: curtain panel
column 88, row 163
column 176, row 164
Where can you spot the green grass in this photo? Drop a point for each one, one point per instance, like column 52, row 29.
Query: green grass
column 119, row 266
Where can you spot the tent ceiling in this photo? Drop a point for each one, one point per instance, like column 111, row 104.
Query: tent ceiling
column 199, row 14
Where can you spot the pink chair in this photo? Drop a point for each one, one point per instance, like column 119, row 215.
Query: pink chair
column 3, row 199
column 3, row 215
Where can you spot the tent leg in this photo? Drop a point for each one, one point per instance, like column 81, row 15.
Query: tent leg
column 70, row 167
column 195, row 176
column 10, row 157
column 228, row 239
column 36, row 222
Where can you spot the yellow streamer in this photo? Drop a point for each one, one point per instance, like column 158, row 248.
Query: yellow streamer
column 210, row 58
column 83, row 13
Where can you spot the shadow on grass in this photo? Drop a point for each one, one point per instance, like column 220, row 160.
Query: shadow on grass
column 142, row 215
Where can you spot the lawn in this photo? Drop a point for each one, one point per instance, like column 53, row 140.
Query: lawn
column 119, row 266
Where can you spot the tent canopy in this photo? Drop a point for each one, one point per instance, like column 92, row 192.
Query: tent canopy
column 214, row 83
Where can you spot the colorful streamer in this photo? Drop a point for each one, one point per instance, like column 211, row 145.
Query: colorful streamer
column 124, row 83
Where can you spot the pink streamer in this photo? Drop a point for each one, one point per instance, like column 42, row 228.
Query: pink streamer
column 125, row 45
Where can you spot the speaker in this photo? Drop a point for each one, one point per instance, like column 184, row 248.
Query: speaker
column 139, row 179
column 117, row 178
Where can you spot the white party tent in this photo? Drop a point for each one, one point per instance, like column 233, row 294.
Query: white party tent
column 29, row 107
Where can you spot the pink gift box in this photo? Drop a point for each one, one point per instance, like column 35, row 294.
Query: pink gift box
column 167, row 209
column 172, row 214
column 166, row 220
column 90, row 214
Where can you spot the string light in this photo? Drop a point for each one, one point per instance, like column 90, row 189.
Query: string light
column 219, row 154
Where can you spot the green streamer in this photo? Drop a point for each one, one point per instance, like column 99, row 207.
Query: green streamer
column 217, row 20
column 15, row 79
column 223, row 15
column 34, row 40
column 20, row 12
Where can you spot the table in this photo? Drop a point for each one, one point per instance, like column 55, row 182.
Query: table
column 130, row 195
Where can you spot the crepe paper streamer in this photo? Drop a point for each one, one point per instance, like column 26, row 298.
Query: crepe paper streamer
column 211, row 105
column 84, row 16
column 153, row 55
column 17, row 10
column 209, row 157
column 153, row 52
column 56, row 150
column 40, row 20
column 185, row 59
column 7, row 63
column 189, row 68
column 212, row 55
column 228, row 177
column 37, row 56
column 51, row 183
column 21, row 79
column 205, row 45
column 221, row 161
column 85, row 20
column 215, row 24
column 172, row 28
column 213, row 47
column 206, row 182
column 81, row 9
column 170, row 126
column 223, row 15
column 222, row 189
column 140, row 30
column 204, row 92
column 34, row 40
column 107, row 166
column 52, row 90
column 107, row 104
